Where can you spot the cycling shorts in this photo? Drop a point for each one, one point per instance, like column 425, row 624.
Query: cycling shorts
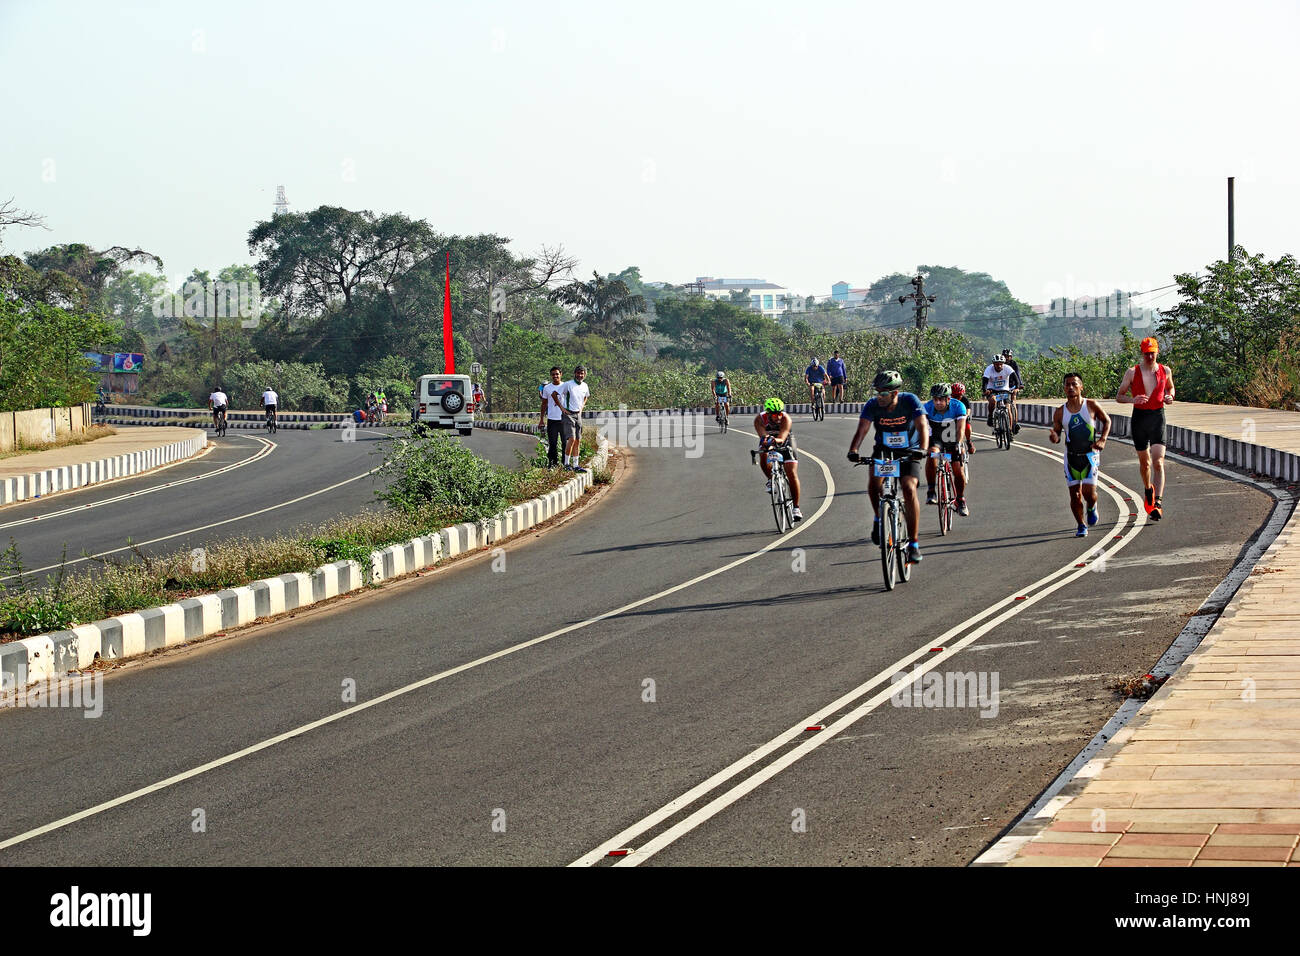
column 1081, row 467
column 787, row 451
column 269, row 408
column 1148, row 427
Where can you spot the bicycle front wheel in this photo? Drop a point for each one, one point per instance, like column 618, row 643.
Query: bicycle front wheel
column 943, row 502
column 888, row 543
column 900, row 535
column 778, row 498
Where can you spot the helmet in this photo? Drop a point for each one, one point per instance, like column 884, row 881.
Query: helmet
column 1007, row 352
column 999, row 358
column 958, row 389
column 887, row 381
column 1149, row 345
column 774, row 405
column 940, row 391
column 721, row 374
column 816, row 360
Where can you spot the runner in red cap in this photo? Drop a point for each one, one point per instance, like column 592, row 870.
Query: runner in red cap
column 1149, row 387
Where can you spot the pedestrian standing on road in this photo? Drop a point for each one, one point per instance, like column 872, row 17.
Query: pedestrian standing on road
column 1085, row 427
column 550, row 417
column 839, row 376
column 571, row 399
column 1149, row 387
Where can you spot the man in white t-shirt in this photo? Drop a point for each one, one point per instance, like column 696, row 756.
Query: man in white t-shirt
column 218, row 401
column 549, row 417
column 571, row 398
column 1001, row 377
column 270, row 402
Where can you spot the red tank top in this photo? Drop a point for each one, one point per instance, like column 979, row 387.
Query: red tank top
column 1156, row 399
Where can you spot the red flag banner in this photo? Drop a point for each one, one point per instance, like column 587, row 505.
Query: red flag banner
column 448, row 349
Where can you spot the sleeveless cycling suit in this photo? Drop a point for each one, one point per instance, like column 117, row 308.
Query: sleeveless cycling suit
column 1081, row 460
column 772, row 425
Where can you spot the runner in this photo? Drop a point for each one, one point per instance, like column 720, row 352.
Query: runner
column 1079, row 418
column 1149, row 387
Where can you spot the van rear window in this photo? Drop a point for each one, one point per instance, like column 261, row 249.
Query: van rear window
column 441, row 386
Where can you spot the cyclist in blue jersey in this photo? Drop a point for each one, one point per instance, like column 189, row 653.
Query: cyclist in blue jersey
column 947, row 418
column 900, row 424
column 721, row 393
column 816, row 377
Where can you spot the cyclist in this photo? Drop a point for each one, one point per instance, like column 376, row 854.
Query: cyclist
column 218, row 401
column 721, row 393
column 947, row 418
column 1001, row 377
column 900, row 423
column 478, row 395
column 815, row 377
column 773, row 426
column 839, row 374
column 1079, row 418
column 270, row 401
column 959, row 393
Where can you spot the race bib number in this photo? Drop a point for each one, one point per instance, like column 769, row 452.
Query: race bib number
column 774, row 458
column 886, row 469
column 895, row 440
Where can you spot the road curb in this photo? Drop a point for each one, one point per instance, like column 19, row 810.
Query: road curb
column 68, row 477
column 46, row 656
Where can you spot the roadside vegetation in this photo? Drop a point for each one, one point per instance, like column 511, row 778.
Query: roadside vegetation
column 429, row 483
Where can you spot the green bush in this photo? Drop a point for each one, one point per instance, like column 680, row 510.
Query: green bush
column 174, row 400
column 433, row 471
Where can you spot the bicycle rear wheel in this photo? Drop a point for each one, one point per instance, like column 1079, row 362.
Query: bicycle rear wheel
column 944, row 501
column 888, row 526
column 900, row 536
column 778, row 498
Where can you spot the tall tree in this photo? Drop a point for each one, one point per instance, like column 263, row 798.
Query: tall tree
column 604, row 307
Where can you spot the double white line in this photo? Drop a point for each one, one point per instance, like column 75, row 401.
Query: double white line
column 1009, row 606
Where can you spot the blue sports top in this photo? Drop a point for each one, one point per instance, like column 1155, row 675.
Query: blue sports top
column 896, row 420
column 816, row 373
column 943, row 425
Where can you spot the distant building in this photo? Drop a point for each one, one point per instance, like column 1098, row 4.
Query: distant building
column 767, row 297
column 846, row 297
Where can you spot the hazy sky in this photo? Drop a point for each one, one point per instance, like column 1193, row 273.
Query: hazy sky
column 1062, row 148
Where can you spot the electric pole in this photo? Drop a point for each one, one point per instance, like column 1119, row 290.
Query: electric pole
column 1232, row 241
column 922, row 304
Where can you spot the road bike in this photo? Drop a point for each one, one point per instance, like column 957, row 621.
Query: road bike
column 1002, row 420
column 946, row 494
column 271, row 420
column 893, row 522
column 782, row 502
column 721, row 417
column 819, row 407
column 221, row 423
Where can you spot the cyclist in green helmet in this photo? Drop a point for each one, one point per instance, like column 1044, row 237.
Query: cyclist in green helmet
column 773, row 426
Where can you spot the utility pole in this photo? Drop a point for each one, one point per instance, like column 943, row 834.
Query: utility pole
column 922, row 304
column 1232, row 240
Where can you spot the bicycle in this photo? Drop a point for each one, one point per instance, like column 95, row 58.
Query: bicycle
column 271, row 424
column 721, row 417
column 946, row 498
column 893, row 523
column 782, row 503
column 221, row 422
column 1002, row 421
column 819, row 406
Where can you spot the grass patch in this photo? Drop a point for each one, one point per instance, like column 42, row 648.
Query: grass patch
column 93, row 433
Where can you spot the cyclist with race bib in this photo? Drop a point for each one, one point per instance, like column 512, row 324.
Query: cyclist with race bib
column 218, row 401
column 721, row 393
column 815, row 377
column 947, row 418
column 1086, row 427
column 774, row 428
column 900, row 425
column 1001, row 378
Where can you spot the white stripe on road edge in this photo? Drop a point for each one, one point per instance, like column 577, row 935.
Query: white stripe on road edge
column 215, row 524
column 720, row 803
column 425, row 682
column 268, row 447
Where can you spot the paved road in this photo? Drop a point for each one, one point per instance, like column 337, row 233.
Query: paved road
column 544, row 753
column 302, row 477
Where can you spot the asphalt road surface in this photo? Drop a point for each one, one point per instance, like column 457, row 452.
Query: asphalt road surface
column 526, row 724
column 246, row 484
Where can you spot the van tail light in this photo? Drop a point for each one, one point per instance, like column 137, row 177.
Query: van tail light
column 422, row 408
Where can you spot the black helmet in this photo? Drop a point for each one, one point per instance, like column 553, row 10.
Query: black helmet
column 887, row 381
column 940, row 391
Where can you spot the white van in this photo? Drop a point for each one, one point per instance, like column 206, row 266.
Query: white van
column 444, row 401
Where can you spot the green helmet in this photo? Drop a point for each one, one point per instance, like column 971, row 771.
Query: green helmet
column 887, row 381
column 940, row 391
column 774, row 405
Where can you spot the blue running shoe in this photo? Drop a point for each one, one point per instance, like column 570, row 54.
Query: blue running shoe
column 913, row 553
column 1092, row 516
column 1082, row 532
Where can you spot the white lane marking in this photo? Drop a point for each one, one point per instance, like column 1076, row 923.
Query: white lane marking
column 627, row 836
column 266, row 449
column 425, row 682
column 215, row 524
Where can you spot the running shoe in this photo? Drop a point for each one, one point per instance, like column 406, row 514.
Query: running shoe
column 580, row 470
column 962, row 508
column 769, row 486
column 875, row 531
column 930, row 496
column 1092, row 516
column 1156, row 513
column 798, row 515
column 914, row 553
column 1082, row 532
column 1150, row 499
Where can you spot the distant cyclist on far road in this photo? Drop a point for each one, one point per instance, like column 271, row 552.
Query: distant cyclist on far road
column 270, row 402
column 815, row 377
column 218, row 401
